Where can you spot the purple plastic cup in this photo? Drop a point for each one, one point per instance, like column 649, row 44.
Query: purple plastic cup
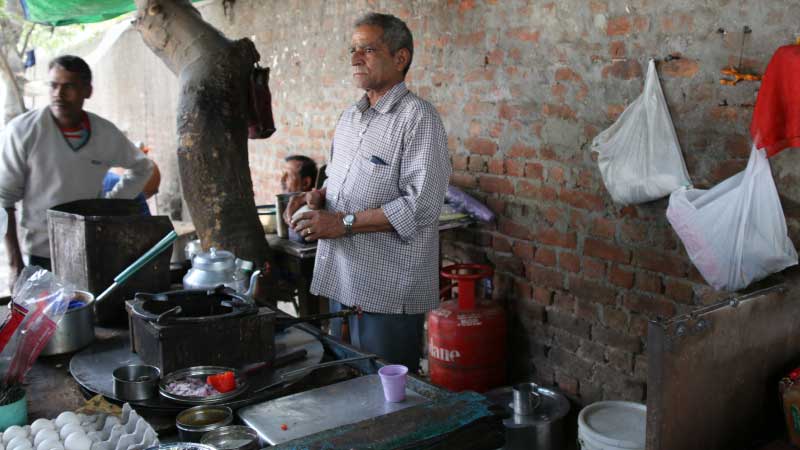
column 393, row 379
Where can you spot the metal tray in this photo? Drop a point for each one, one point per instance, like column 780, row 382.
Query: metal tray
column 201, row 371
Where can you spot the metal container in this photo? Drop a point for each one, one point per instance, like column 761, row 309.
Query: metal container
column 233, row 437
column 182, row 446
column 201, row 372
column 194, row 422
column 542, row 425
column 135, row 382
column 76, row 328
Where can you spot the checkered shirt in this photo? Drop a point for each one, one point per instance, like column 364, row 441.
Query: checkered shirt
column 392, row 272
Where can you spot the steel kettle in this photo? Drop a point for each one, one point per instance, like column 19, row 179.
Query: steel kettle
column 220, row 267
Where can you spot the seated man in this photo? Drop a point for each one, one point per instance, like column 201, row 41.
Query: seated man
column 299, row 174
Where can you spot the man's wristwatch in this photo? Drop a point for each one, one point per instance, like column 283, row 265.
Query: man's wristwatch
column 348, row 221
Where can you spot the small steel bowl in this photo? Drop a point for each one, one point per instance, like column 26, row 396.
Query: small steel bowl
column 233, row 437
column 136, row 382
column 194, row 422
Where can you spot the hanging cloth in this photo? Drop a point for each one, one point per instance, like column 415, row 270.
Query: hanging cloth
column 776, row 119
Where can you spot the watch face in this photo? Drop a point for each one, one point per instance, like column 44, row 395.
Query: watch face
column 349, row 219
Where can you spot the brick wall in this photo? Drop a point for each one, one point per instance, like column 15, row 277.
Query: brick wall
column 523, row 87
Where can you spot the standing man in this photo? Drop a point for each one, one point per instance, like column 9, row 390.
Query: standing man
column 377, row 216
column 58, row 154
column 299, row 174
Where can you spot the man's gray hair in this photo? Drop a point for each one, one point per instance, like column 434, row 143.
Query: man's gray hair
column 396, row 34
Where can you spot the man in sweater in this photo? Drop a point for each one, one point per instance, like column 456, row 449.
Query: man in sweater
column 58, row 154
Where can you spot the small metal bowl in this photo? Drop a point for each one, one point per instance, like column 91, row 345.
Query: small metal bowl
column 194, row 422
column 136, row 382
column 233, row 437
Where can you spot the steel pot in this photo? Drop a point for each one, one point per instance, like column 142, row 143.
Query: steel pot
column 534, row 416
column 194, row 422
column 135, row 382
column 233, row 437
column 76, row 328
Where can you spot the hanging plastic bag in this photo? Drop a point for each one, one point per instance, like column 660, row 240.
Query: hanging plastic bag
column 734, row 233
column 639, row 155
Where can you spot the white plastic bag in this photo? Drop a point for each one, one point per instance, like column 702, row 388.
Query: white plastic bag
column 735, row 233
column 639, row 155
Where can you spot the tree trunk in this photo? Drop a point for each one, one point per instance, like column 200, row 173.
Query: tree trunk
column 10, row 65
column 214, row 78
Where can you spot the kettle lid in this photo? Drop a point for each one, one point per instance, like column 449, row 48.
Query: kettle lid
column 214, row 260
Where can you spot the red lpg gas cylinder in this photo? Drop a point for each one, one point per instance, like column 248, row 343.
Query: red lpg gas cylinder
column 467, row 338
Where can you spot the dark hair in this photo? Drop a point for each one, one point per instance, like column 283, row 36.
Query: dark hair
column 396, row 34
column 74, row 64
column 308, row 168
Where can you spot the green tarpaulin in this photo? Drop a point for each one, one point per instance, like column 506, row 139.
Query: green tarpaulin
column 67, row 12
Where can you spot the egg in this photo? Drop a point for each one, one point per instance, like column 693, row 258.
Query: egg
column 40, row 424
column 12, row 432
column 49, row 444
column 68, row 429
column 77, row 441
column 18, row 441
column 67, row 417
column 24, row 446
column 45, row 435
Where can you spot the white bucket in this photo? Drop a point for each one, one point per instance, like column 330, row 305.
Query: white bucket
column 612, row 426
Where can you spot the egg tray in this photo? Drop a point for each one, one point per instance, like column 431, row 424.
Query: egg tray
column 71, row 431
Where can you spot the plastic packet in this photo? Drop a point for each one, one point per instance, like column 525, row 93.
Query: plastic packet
column 40, row 301
column 466, row 203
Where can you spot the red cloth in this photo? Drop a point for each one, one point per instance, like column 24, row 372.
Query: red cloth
column 776, row 119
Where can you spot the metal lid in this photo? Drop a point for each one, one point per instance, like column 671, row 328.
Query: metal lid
column 214, row 260
column 552, row 406
column 232, row 437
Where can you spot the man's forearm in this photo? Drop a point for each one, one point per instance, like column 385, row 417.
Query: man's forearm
column 371, row 221
column 12, row 243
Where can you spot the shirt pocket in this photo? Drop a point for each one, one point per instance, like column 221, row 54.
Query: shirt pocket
column 376, row 183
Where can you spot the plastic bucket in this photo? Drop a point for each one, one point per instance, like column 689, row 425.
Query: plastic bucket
column 15, row 413
column 612, row 425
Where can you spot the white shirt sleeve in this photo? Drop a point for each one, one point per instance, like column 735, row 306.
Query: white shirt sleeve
column 13, row 163
column 139, row 169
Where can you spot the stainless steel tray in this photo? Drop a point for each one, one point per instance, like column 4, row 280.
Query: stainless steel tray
column 202, row 372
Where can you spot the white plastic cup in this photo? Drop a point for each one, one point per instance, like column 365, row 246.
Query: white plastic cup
column 393, row 379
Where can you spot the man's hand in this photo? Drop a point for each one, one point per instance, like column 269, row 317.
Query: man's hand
column 294, row 204
column 313, row 225
column 315, row 199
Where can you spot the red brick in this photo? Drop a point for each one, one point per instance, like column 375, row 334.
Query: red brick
column 550, row 236
column 650, row 306
column 604, row 228
column 641, row 23
column 725, row 169
column 558, row 91
column 615, row 318
column 564, row 302
column 633, row 232
column 542, row 296
column 556, row 175
column 522, row 290
column 738, row 146
column 495, row 57
column 594, row 268
column 566, row 383
column 560, row 111
column 567, row 74
column 582, row 200
column 534, row 170
column 523, row 34
column 585, row 179
column 541, row 276
column 523, row 250
column 515, row 168
column 459, row 162
column 497, row 166
column 623, row 69
column 620, row 277
column 605, row 250
column 592, row 290
column 660, row 262
column 513, row 229
column 476, row 108
column 646, row 281
column 639, row 325
column 533, row 190
column 495, row 185
column 598, row 7
column 520, row 150
column 587, row 310
column 481, row 146
column 470, row 40
column 680, row 68
column 569, row 262
column 618, row 26
column 545, row 257
column 463, row 180
column 679, row 291
column 497, row 205
column 616, row 49
column 548, row 153
column 476, row 164
column 677, row 23
column 501, row 244
column 725, row 113
column 553, row 215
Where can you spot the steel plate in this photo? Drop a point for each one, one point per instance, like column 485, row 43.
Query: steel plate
column 201, row 372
